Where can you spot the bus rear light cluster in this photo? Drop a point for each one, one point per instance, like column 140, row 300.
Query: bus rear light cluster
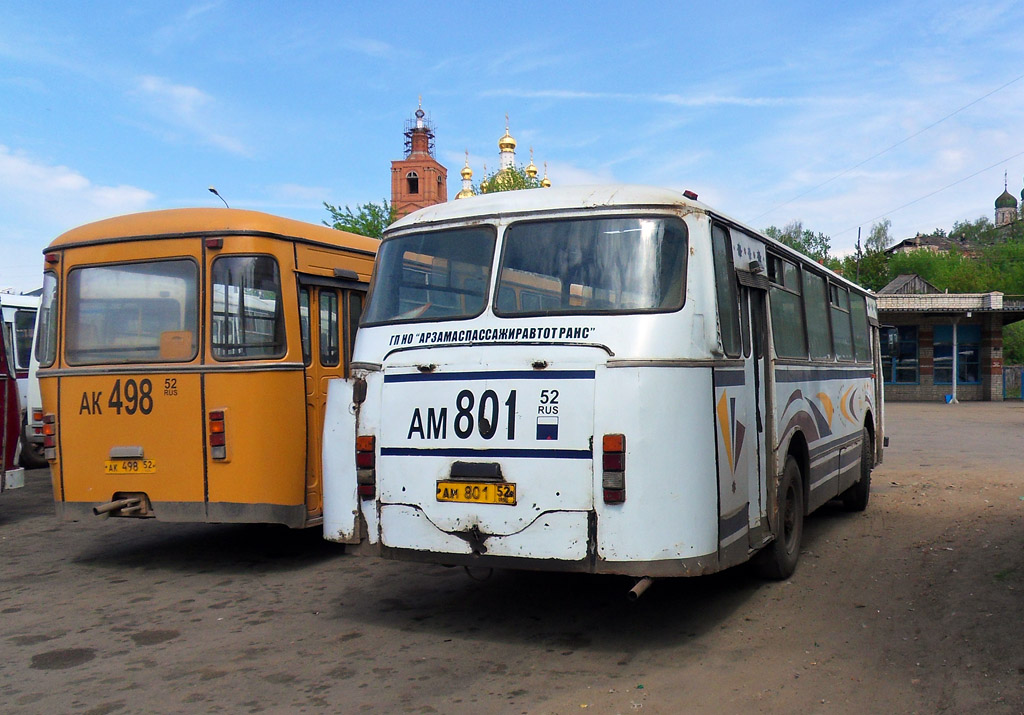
column 37, row 422
column 614, row 463
column 366, row 472
column 50, row 436
column 218, row 437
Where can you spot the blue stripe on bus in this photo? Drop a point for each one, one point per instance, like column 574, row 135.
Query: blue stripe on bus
column 495, row 375
column 727, row 526
column 730, row 378
column 814, row 374
column 486, row 453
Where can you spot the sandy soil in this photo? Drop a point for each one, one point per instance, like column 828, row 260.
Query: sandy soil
column 916, row 605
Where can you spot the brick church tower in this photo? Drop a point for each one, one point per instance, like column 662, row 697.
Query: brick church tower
column 418, row 180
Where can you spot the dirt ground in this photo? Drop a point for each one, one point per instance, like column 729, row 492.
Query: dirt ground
column 916, row 605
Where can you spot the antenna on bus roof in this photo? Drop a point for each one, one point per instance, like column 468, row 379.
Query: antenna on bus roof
column 213, row 191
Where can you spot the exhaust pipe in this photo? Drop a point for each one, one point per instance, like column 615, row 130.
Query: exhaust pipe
column 134, row 504
column 638, row 590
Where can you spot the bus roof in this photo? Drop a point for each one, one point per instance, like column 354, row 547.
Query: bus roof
column 19, row 300
column 171, row 223
column 549, row 199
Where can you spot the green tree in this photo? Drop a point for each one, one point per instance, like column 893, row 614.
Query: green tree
column 794, row 235
column 879, row 239
column 507, row 180
column 368, row 219
column 1013, row 344
column 871, row 270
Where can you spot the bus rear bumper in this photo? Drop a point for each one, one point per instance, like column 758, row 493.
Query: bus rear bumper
column 193, row 512
column 556, row 541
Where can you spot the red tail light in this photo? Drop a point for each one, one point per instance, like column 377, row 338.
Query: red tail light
column 366, row 472
column 218, row 436
column 614, row 462
column 50, row 437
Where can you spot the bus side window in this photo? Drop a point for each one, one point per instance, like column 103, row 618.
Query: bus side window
column 842, row 335
column 307, row 351
column 725, row 288
column 819, row 337
column 788, row 329
column 330, row 353
column 861, row 333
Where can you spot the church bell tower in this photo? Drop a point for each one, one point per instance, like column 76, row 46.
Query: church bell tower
column 418, row 180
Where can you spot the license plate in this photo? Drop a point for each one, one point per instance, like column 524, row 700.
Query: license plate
column 129, row 466
column 477, row 492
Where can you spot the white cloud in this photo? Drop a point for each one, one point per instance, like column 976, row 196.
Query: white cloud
column 38, row 201
column 675, row 100
column 189, row 108
column 367, row 46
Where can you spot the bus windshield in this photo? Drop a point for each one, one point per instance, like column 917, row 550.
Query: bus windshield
column 441, row 275
column 592, row 266
column 135, row 312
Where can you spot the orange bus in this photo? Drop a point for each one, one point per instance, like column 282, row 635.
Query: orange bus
column 184, row 362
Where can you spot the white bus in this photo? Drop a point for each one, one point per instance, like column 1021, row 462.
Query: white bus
column 602, row 379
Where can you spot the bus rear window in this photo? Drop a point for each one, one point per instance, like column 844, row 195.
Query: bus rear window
column 248, row 320
column 133, row 312
column 605, row 265
column 441, row 275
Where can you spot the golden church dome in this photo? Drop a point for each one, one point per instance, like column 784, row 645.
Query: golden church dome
column 507, row 143
column 531, row 170
column 466, row 172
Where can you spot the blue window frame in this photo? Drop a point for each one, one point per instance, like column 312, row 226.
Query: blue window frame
column 968, row 359
column 900, row 364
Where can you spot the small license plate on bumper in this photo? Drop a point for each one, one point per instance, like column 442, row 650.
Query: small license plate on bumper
column 129, row 466
column 477, row 492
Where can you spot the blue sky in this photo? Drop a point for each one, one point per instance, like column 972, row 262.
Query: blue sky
column 771, row 112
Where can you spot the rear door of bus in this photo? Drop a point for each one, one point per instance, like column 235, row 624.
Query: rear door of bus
column 330, row 315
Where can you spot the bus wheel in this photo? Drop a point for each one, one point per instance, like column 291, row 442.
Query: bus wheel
column 31, row 454
column 778, row 559
column 856, row 497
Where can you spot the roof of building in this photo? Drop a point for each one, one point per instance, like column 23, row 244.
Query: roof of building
column 941, row 243
column 908, row 283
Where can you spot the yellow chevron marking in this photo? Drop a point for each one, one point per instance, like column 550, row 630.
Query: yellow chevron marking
column 826, row 402
column 723, row 424
column 842, row 405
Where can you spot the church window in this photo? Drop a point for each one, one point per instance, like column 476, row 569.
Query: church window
column 412, row 180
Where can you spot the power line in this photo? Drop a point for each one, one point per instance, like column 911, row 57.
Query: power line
column 890, row 148
column 928, row 195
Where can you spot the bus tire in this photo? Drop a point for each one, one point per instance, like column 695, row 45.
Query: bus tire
column 31, row 454
column 777, row 560
column 855, row 498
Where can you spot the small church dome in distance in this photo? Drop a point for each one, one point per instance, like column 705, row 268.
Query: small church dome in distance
column 1006, row 200
column 531, row 170
column 466, row 172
